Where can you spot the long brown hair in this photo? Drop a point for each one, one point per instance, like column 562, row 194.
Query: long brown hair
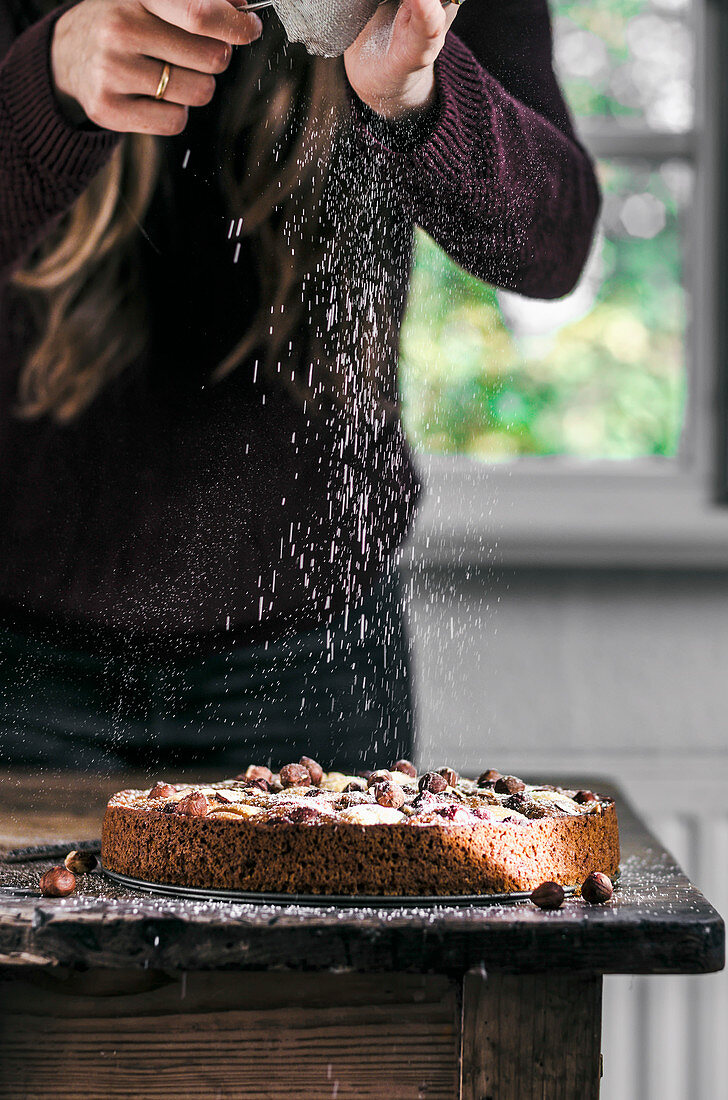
column 83, row 278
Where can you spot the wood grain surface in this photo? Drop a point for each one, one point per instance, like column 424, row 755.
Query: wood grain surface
column 114, row 993
column 657, row 923
column 267, row 1036
column 150, row 1034
column 57, row 806
column 531, row 1036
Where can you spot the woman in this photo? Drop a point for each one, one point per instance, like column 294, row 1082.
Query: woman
column 203, row 477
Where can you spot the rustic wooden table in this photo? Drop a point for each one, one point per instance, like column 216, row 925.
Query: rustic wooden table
column 117, row 993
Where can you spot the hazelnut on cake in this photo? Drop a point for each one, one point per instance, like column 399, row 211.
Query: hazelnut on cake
column 389, row 832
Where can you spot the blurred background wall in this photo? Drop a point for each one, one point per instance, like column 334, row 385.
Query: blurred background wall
column 620, row 674
column 613, row 672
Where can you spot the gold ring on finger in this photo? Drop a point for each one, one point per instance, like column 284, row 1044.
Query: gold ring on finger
column 163, row 81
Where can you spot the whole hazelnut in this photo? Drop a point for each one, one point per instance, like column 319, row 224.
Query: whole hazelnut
column 585, row 796
column 432, row 781
column 59, row 882
column 161, row 790
column 194, row 805
column 451, row 777
column 314, row 770
column 380, row 776
column 355, row 785
column 295, row 775
column 80, row 863
column 256, row 771
column 389, row 794
column 549, row 895
column 406, row 767
column 489, row 778
column 597, row 888
column 509, row 784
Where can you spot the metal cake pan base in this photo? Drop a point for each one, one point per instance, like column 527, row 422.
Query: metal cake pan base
column 349, row 900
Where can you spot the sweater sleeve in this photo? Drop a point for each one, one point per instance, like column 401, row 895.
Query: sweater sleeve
column 46, row 162
column 494, row 172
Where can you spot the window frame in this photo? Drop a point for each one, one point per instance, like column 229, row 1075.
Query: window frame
column 643, row 512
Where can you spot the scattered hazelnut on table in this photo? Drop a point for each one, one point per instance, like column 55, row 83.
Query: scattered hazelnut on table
column 489, row 778
column 59, row 882
column 406, row 767
column 449, row 775
column 597, row 888
column 194, row 805
column 432, row 781
column 509, row 784
column 549, row 895
column 80, row 863
column 295, row 775
column 314, row 770
column 389, row 794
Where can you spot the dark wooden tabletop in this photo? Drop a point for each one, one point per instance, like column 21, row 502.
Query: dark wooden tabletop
column 657, row 923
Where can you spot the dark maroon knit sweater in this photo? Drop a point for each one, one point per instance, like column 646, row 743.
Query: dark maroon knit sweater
column 175, row 506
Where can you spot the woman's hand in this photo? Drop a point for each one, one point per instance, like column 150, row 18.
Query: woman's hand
column 107, row 59
column 391, row 66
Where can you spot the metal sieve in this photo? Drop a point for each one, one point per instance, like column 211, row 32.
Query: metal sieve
column 326, row 27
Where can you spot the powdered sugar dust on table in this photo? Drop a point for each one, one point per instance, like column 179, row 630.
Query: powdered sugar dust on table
column 188, row 996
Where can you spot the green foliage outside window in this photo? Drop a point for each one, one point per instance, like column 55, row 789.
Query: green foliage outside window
column 601, row 374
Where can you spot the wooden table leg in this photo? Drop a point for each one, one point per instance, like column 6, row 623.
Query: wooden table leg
column 531, row 1036
column 271, row 1036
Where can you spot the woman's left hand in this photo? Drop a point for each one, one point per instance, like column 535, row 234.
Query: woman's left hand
column 391, row 66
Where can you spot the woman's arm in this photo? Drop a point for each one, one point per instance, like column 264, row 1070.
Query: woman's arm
column 45, row 161
column 491, row 168
column 72, row 81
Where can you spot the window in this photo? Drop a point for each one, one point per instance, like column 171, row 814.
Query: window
column 609, row 393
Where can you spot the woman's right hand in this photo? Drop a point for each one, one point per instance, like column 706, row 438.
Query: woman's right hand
column 107, row 58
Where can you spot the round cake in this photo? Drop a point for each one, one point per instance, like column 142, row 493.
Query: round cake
column 391, row 832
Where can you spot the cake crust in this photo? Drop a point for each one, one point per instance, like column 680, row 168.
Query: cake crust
column 296, row 841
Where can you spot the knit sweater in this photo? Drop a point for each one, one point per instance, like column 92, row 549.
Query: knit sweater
column 174, row 506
